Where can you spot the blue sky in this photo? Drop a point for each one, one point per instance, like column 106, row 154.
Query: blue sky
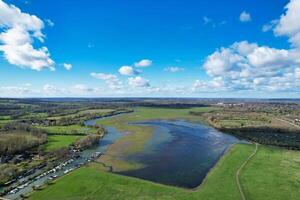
column 174, row 40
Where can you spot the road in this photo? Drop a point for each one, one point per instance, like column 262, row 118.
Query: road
column 237, row 176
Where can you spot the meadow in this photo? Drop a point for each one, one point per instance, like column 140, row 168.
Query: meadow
column 83, row 112
column 59, row 141
column 68, row 130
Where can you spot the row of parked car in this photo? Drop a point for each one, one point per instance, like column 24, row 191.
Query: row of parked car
column 55, row 169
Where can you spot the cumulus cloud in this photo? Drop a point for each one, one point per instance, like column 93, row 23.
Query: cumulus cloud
column 67, row 66
column 288, row 24
column 248, row 66
column 127, row 71
column 271, row 58
column 19, row 31
column 138, row 82
column 245, row 16
column 111, row 80
column 174, row 69
column 143, row 63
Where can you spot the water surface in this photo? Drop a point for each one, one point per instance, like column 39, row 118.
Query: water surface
column 180, row 153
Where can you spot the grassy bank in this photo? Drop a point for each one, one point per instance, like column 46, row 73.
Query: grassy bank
column 92, row 183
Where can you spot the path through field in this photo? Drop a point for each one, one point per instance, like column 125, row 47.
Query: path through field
column 239, row 171
column 292, row 124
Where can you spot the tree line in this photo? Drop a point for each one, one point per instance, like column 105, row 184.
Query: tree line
column 18, row 137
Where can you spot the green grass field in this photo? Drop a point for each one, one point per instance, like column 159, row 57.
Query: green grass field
column 59, row 141
column 89, row 111
column 272, row 174
column 68, row 129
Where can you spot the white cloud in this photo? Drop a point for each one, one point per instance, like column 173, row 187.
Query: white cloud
column 49, row 22
column 244, row 47
column 269, row 57
column 217, row 84
column 143, row 63
column 81, row 89
column 104, row 77
column 288, row 23
column 127, row 71
column 174, row 69
column 138, row 82
column 221, row 61
column 247, row 66
column 245, row 16
column 111, row 80
column 50, row 90
column 19, row 31
column 14, row 91
column 67, row 66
